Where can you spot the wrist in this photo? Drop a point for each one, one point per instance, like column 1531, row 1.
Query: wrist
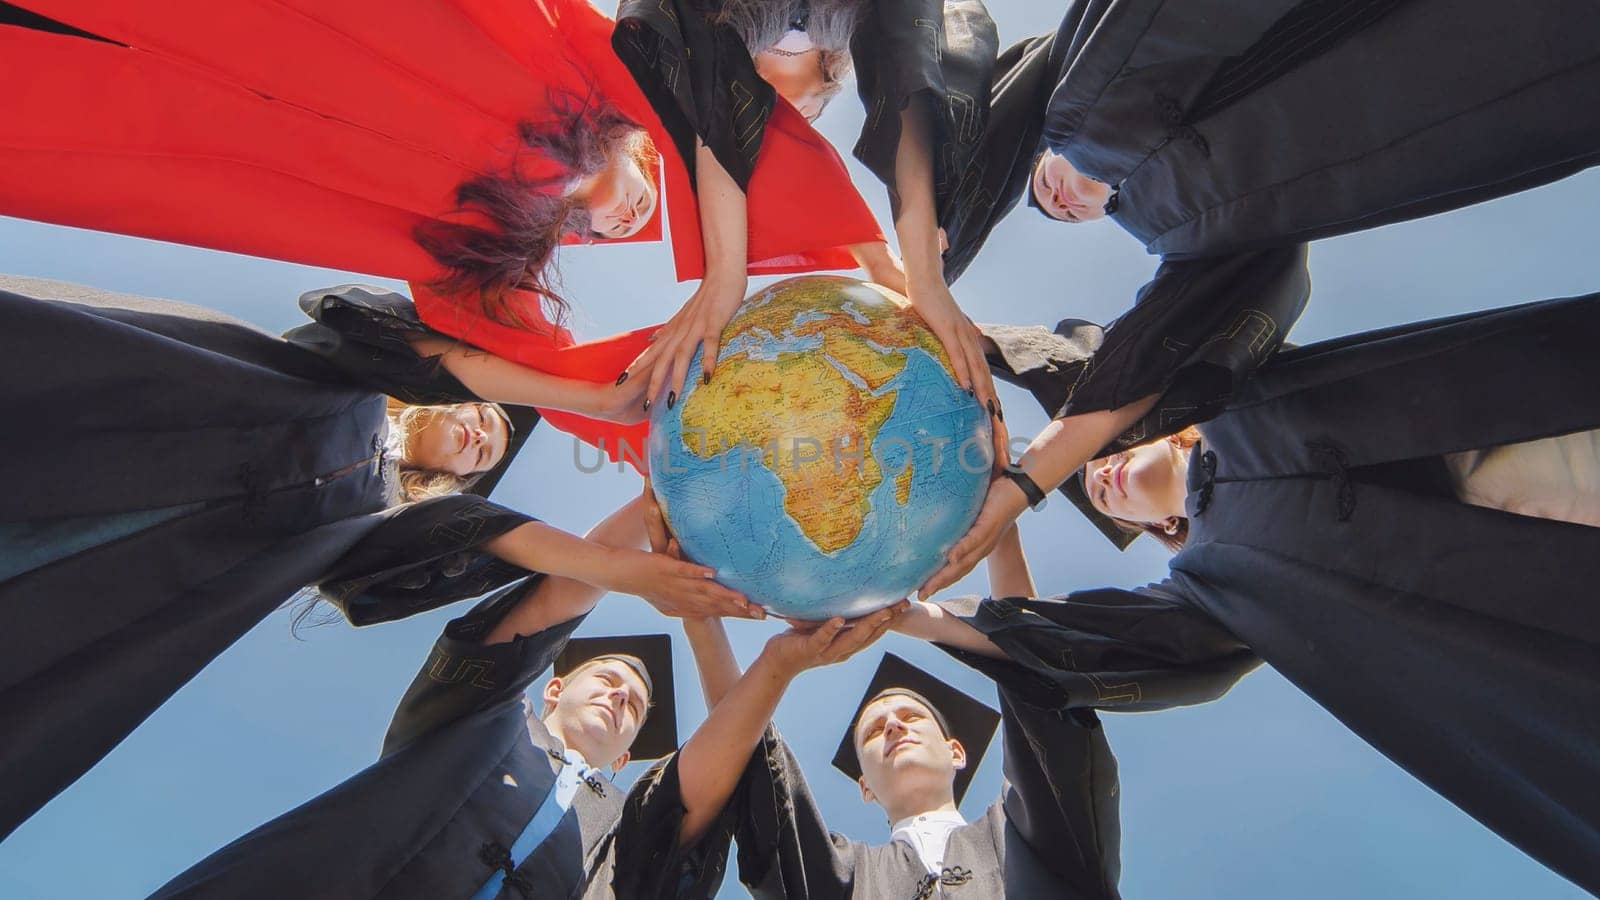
column 775, row 664
column 1009, row 498
column 915, row 621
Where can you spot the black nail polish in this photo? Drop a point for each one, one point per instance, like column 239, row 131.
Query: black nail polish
column 647, row 405
column 1000, row 413
column 991, row 408
column 672, row 397
column 705, row 377
column 621, row 378
column 972, row 392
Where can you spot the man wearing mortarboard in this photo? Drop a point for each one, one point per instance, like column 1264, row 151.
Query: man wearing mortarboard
column 912, row 745
column 480, row 793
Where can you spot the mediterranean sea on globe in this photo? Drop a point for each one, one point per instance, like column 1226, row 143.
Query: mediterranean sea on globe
column 832, row 461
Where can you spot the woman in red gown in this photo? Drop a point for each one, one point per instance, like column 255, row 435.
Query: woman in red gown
column 328, row 133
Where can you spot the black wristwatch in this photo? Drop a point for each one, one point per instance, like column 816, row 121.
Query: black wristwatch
column 1030, row 488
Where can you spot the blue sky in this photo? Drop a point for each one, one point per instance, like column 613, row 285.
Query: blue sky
column 1258, row 795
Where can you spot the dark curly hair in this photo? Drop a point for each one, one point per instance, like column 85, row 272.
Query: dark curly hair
column 527, row 217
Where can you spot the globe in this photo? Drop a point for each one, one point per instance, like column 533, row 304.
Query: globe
column 832, row 461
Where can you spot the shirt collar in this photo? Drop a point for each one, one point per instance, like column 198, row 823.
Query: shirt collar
column 923, row 820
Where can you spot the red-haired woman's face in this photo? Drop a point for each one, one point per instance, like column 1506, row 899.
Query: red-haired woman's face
column 1066, row 194
column 1144, row 485
column 620, row 200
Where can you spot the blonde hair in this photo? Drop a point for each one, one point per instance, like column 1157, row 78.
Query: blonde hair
column 417, row 483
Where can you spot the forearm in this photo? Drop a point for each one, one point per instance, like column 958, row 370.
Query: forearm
column 1068, row 443
column 1008, row 568
column 723, row 218
column 916, row 221
column 503, row 381
column 712, row 762
column 929, row 622
column 880, row 265
column 713, row 658
column 556, row 599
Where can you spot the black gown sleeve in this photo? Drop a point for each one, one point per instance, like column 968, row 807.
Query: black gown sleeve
column 927, row 51
column 996, row 171
column 1197, row 332
column 364, row 332
column 1126, row 650
column 651, row 865
column 1061, row 794
column 786, row 851
column 463, row 675
column 699, row 78
column 422, row 556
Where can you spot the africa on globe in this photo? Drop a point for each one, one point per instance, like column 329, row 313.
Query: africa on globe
column 833, row 459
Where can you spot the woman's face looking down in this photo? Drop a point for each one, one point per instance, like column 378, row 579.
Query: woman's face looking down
column 463, row 439
column 620, row 200
column 1066, row 194
column 1145, row 485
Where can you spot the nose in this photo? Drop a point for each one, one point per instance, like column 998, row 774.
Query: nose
column 1101, row 472
column 893, row 729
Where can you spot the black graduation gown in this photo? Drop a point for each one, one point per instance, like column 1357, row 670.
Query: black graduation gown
column 255, row 458
column 1053, row 832
column 1459, row 641
column 699, row 78
column 1234, row 126
column 987, row 112
column 464, row 766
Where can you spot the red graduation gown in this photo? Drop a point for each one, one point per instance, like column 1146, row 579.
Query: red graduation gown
column 323, row 133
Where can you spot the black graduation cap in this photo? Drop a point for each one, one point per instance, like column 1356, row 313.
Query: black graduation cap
column 521, row 419
column 659, row 736
column 963, row 717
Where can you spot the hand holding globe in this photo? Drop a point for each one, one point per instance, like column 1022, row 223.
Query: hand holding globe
column 832, row 462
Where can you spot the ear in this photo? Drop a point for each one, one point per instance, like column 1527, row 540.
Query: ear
column 866, row 793
column 619, row 762
column 958, row 754
column 552, row 693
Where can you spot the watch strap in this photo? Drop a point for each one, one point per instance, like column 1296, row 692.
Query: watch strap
column 1030, row 488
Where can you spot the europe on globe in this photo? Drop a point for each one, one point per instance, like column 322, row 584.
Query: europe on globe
column 833, row 459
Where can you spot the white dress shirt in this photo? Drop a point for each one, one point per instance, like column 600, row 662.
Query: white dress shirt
column 928, row 834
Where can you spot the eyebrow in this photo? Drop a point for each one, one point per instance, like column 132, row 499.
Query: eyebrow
column 908, row 705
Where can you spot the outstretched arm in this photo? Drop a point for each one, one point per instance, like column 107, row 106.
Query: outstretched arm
column 671, row 585
column 1008, row 577
column 713, row 760
column 1062, row 448
column 503, row 381
column 699, row 324
column 916, row 225
column 1008, row 567
column 557, row 599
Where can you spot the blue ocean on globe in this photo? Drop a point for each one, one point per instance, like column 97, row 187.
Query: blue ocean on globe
column 808, row 368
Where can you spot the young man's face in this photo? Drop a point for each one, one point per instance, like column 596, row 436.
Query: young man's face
column 600, row 707
column 907, row 761
column 1064, row 193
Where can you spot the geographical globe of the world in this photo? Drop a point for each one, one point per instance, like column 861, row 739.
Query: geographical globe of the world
column 832, row 461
